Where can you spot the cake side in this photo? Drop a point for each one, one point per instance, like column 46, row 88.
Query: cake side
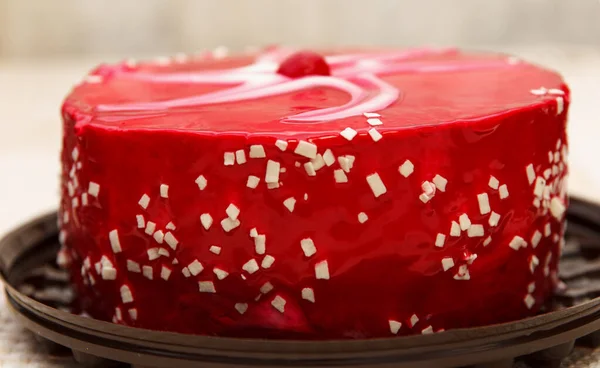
column 420, row 229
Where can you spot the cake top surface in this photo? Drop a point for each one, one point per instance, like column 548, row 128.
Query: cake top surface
column 285, row 91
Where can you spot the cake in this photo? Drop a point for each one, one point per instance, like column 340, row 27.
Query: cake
column 305, row 195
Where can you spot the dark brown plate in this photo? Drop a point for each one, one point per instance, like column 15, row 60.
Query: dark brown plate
column 27, row 267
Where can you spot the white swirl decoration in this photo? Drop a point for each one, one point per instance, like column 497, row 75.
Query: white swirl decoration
column 358, row 75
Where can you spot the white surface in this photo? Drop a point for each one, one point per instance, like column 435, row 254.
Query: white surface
column 30, row 136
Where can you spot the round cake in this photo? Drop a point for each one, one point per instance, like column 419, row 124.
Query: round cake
column 304, row 195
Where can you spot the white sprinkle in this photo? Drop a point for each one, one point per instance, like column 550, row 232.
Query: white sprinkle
column 447, row 263
column 475, row 231
column 455, row 229
column 290, row 203
column 171, row 240
column 517, row 242
column 206, row 220
column 257, row 151
column 536, row 202
column 251, row 266
column 260, row 243
column 206, row 287
column 306, row 149
column 440, row 182
column 147, row 272
column 531, row 287
column 282, row 145
column 406, row 168
column 150, row 227
column 440, row 239
column 428, row 188
column 140, row 221
column 503, row 191
column 427, row 330
column 164, row 190
column 425, row 198
column 547, row 230
column 371, row 115
column 462, row 274
column 533, row 263
column 340, row 176
column 375, row 135
column 232, row 211
column 70, row 189
column 348, row 133
column 170, row 226
column 195, row 267
column 133, row 266
column 557, row 208
column 118, row 314
column 79, row 165
column 550, row 157
column 126, row 295
column 376, row 184
column 310, row 169
column 560, row 105
column 109, row 273
column 297, row 164
column 241, row 307
column 535, row 239
column 267, row 286
column 464, row 221
column 215, row 249
column 267, row 262
column 547, row 173
column 308, row 247
column 529, row 301
column 362, row 217
column 308, row 294
column 75, row 154
column 305, row 196
column 201, row 182
column 487, row 241
column 228, row 224
column 221, row 274
column 556, row 156
column 115, row 244
column 556, row 91
column 272, row 174
column 394, row 326
column 228, row 158
column 133, row 314
column 413, row 321
column 279, row 303
column 494, row 219
column 93, row 189
column 159, row 236
column 484, row 203
column 175, row 261
column 322, row 270
column 374, row 122
column 344, row 163
column 318, row 162
column 144, row 201
column 539, row 92
column 328, row 158
column 493, row 182
column 253, row 232
column 252, row 181
column 240, row 157
column 152, row 254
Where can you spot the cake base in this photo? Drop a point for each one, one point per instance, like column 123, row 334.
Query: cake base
column 574, row 319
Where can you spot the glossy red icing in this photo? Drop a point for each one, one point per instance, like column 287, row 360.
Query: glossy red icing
column 302, row 64
column 463, row 125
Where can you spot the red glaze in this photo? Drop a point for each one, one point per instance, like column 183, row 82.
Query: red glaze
column 464, row 126
column 302, row 64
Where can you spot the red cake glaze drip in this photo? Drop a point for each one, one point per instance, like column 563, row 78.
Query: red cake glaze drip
column 464, row 124
column 302, row 64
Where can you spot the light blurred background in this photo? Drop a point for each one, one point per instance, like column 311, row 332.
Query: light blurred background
column 47, row 45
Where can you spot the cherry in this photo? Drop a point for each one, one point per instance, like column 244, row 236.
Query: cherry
column 304, row 63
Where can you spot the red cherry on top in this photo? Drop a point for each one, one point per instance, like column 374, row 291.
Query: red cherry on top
column 302, row 64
